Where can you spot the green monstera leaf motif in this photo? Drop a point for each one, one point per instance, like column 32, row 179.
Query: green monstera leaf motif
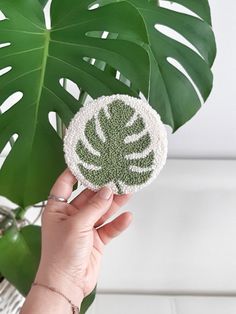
column 112, row 162
column 115, row 145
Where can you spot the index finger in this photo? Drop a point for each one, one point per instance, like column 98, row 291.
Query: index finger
column 118, row 202
column 63, row 187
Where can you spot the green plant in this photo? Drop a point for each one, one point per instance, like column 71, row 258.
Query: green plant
column 89, row 45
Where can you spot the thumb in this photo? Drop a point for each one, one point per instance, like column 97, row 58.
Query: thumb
column 95, row 207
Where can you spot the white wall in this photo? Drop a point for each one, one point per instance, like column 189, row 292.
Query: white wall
column 183, row 236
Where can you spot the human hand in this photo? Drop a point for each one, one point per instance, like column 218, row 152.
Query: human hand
column 73, row 236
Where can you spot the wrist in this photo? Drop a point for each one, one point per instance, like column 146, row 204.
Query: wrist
column 41, row 301
column 53, row 278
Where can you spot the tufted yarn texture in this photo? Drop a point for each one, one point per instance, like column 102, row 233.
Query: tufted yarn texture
column 117, row 141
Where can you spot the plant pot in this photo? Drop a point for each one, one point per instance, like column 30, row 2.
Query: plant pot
column 11, row 300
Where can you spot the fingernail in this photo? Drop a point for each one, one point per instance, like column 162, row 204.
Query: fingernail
column 105, row 193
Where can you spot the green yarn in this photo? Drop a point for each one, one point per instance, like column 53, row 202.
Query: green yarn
column 112, row 162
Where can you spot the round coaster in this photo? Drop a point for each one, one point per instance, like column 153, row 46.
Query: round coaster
column 117, row 141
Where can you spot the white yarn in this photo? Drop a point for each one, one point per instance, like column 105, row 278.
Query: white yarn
column 153, row 125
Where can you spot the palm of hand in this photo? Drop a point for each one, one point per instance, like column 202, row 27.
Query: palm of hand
column 74, row 235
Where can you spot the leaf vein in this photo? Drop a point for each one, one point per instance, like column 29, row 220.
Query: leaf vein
column 77, row 68
column 32, row 23
column 22, row 32
column 52, row 92
column 20, row 76
column 21, row 52
column 72, row 25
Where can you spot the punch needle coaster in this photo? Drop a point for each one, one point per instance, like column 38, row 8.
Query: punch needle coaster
column 117, row 141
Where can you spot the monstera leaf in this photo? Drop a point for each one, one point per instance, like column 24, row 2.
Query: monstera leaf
column 87, row 301
column 39, row 59
column 20, row 255
column 177, row 95
column 43, row 2
column 35, row 58
column 114, row 166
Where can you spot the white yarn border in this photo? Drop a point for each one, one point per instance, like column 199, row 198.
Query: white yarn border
column 154, row 126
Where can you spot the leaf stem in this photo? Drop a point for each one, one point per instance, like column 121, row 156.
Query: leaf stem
column 11, row 141
column 100, row 65
column 9, row 218
column 59, row 126
column 82, row 97
column 119, row 189
column 4, row 224
column 59, row 123
column 20, row 212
